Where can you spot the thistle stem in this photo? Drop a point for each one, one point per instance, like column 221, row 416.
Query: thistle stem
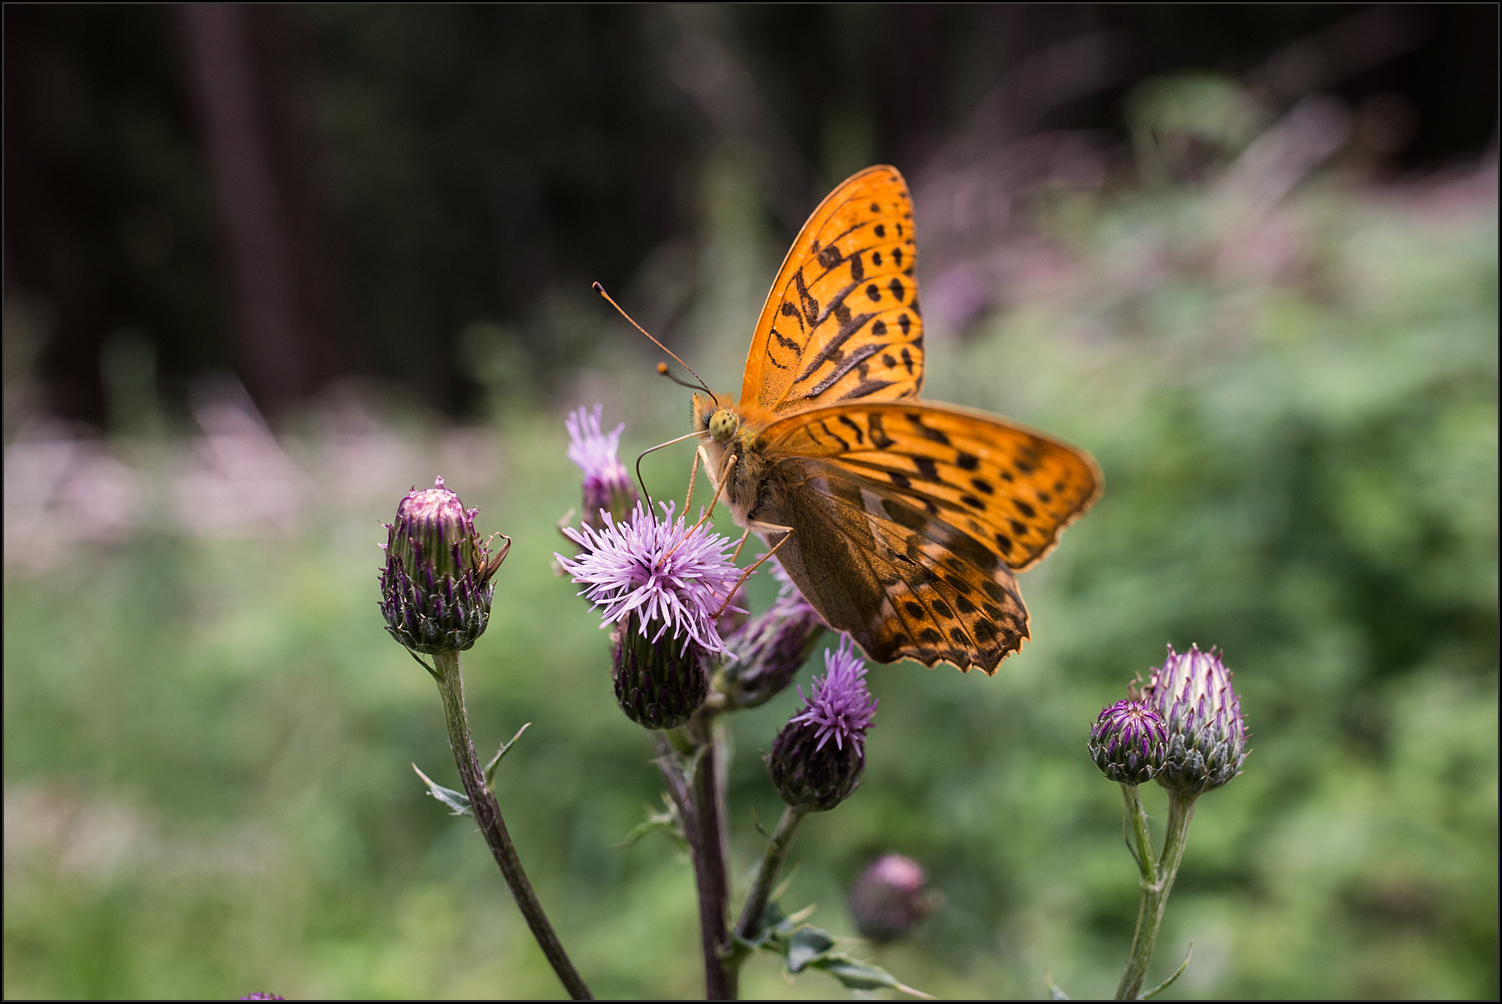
column 771, row 864
column 487, row 814
column 697, row 799
column 1155, row 890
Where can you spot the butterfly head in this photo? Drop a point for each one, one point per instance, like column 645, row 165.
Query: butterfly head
column 713, row 416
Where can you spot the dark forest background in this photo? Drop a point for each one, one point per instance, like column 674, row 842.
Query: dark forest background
column 302, row 194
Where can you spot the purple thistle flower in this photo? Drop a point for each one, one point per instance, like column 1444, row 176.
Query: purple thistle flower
column 1128, row 742
column 841, row 707
column 666, row 573
column 1193, row 695
column 811, row 773
column 607, row 483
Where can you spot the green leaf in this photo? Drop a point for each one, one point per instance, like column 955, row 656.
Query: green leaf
column 805, row 946
column 496, row 760
column 1176, row 974
column 458, row 801
column 861, row 975
column 667, row 821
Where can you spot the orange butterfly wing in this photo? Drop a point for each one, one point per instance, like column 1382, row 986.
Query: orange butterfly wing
column 842, row 320
column 916, row 515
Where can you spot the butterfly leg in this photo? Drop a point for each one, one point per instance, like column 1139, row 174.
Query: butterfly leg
column 724, row 476
column 693, row 472
column 787, row 533
column 740, row 545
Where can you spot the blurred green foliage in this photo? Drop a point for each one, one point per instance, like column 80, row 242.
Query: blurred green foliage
column 207, row 742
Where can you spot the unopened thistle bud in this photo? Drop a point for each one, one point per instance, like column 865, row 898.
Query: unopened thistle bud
column 607, row 483
column 889, row 898
column 435, row 586
column 1128, row 742
column 660, row 584
column 658, row 685
column 770, row 650
column 817, row 759
column 1193, row 695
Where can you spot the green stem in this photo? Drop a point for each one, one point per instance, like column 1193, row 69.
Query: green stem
column 771, row 864
column 487, row 813
column 1139, row 828
column 1155, row 893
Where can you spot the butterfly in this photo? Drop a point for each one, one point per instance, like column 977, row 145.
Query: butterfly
column 901, row 521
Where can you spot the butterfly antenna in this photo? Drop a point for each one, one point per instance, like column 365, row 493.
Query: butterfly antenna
column 662, row 370
column 653, row 449
column 601, row 290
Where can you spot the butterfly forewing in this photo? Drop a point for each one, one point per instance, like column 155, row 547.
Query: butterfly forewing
column 842, row 321
column 1008, row 488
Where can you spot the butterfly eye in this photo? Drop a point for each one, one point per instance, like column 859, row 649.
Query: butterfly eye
column 723, row 424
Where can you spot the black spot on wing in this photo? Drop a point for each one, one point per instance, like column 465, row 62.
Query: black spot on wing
column 879, row 437
column 830, row 257
column 933, row 435
column 966, row 461
column 864, row 389
column 880, row 230
column 857, row 270
column 897, row 288
column 859, row 436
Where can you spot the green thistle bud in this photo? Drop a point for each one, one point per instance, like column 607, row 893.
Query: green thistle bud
column 1128, row 742
column 659, row 682
column 435, row 586
column 1192, row 693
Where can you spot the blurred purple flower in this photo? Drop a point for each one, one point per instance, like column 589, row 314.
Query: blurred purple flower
column 889, row 898
column 607, row 483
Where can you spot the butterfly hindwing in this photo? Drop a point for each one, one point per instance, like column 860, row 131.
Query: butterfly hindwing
column 1008, row 488
column 903, row 583
column 842, row 321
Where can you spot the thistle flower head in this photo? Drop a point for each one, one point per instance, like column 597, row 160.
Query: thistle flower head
column 812, row 773
column 889, row 898
column 1128, row 742
column 435, row 585
column 841, row 707
column 1193, row 695
column 607, row 483
column 672, row 577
